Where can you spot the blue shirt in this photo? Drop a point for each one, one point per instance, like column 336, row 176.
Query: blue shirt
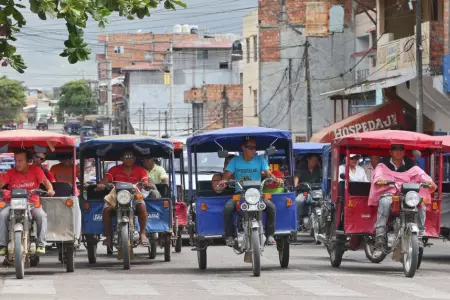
column 247, row 170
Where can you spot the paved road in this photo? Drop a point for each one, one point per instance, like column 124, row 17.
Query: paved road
column 309, row 276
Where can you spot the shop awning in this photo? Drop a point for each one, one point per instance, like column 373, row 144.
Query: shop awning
column 379, row 117
column 371, row 85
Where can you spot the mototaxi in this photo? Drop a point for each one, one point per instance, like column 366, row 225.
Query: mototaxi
column 63, row 210
column 160, row 211
column 208, row 213
column 349, row 222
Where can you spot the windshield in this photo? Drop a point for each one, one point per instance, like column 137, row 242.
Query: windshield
column 206, row 163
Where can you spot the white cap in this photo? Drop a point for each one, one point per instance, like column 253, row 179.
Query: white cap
column 353, row 155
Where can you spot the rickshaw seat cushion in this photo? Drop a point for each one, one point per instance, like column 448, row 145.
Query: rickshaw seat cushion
column 163, row 190
column 62, row 189
column 355, row 188
column 182, row 213
column 93, row 195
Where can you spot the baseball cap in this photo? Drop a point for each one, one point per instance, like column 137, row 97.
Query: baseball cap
column 353, row 155
column 397, row 147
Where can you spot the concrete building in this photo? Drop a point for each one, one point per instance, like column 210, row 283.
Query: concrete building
column 282, row 89
column 250, row 65
column 198, row 59
column 395, row 71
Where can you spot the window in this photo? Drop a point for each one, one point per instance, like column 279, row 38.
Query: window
column 241, row 78
column 202, row 54
column 437, row 10
column 255, row 48
column 223, row 65
column 247, row 43
column 119, row 49
column 255, row 102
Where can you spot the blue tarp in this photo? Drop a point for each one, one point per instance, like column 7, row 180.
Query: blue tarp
column 231, row 138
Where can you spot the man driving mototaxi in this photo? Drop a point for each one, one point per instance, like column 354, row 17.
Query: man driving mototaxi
column 128, row 171
column 397, row 162
column 247, row 167
column 28, row 177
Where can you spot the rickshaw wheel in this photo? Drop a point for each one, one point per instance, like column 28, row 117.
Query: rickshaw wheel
column 283, row 248
column 92, row 252
column 336, row 251
column 201, row 255
column 152, row 247
column 411, row 256
column 167, row 247
column 369, row 250
column 419, row 262
column 70, row 262
column 178, row 242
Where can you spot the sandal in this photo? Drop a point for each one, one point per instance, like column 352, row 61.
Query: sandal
column 145, row 242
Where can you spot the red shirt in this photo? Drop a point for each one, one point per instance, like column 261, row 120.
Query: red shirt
column 28, row 181
column 48, row 174
column 117, row 173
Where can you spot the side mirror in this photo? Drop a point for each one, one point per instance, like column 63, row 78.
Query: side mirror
column 4, row 149
column 102, row 151
column 143, row 151
column 342, row 176
column 271, row 150
column 39, row 149
column 222, row 153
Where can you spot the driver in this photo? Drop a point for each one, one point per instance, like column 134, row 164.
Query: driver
column 247, row 167
column 28, row 177
column 399, row 163
column 311, row 173
column 128, row 171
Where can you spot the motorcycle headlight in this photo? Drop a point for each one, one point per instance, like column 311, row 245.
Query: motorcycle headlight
column 19, row 203
column 316, row 194
column 412, row 199
column 252, row 196
column 124, row 197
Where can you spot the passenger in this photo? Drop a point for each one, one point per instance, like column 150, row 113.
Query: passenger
column 218, row 176
column 63, row 171
column 156, row 174
column 28, row 177
column 370, row 166
column 399, row 163
column 127, row 172
column 356, row 172
column 247, row 167
column 310, row 173
column 38, row 160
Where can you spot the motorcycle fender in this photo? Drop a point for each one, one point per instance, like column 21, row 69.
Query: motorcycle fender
column 255, row 224
column 125, row 219
column 18, row 227
column 412, row 227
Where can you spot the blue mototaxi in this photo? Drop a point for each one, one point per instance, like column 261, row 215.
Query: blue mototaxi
column 209, row 219
column 160, row 211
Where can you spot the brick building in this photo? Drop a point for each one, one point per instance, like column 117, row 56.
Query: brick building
column 213, row 98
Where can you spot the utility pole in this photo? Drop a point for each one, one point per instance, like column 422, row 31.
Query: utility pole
column 308, row 94
column 165, row 117
column 189, row 124
column 159, row 123
column 143, row 116
column 171, row 83
column 224, row 108
column 290, row 94
column 109, row 93
column 419, row 103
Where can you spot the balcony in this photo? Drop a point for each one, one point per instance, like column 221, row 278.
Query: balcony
column 400, row 54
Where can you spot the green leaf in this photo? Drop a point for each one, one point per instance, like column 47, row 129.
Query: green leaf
column 179, row 3
column 42, row 15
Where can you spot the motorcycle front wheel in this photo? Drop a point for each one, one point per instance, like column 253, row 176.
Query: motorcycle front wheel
column 411, row 255
column 256, row 253
column 125, row 244
column 18, row 257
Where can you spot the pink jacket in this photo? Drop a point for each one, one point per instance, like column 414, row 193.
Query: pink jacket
column 381, row 172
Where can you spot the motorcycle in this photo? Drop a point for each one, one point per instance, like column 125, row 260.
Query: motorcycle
column 22, row 237
column 250, row 229
column 125, row 234
column 313, row 221
column 402, row 235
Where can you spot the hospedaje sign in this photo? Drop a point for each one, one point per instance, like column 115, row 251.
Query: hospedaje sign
column 377, row 118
